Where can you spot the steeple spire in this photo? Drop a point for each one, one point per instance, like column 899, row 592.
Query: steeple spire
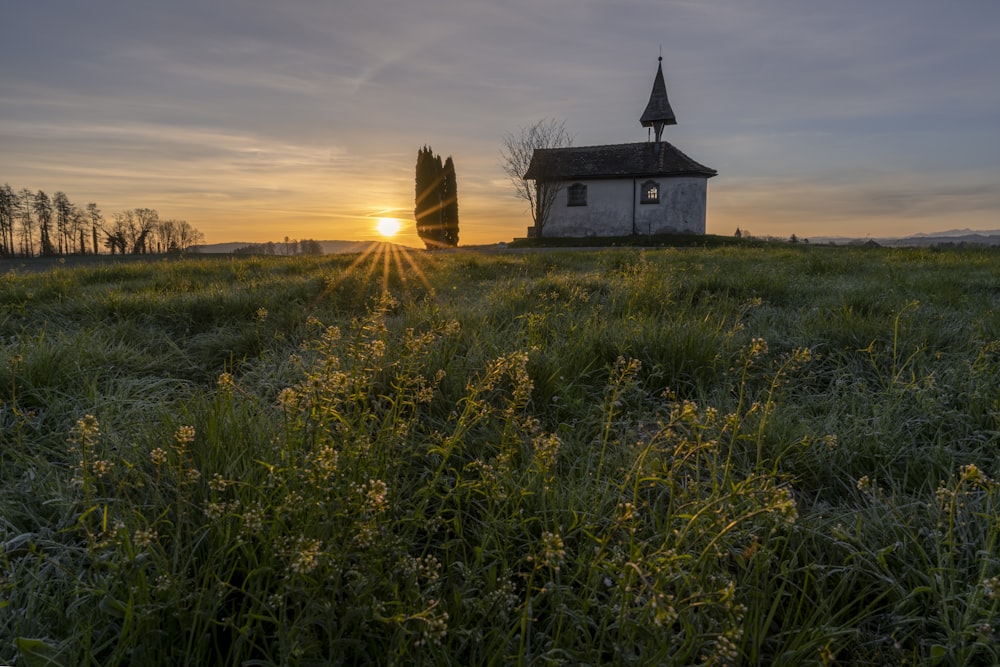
column 658, row 112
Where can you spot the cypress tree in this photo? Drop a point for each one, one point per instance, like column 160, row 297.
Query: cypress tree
column 436, row 200
column 449, row 210
column 428, row 202
column 420, row 191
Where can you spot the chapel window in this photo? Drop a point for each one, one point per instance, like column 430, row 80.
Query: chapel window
column 650, row 192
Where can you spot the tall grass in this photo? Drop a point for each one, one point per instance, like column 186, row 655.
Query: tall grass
column 697, row 456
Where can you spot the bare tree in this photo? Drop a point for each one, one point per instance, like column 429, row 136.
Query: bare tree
column 96, row 220
column 188, row 236
column 516, row 152
column 77, row 222
column 146, row 219
column 42, row 206
column 8, row 210
column 27, row 222
column 63, row 208
column 117, row 233
column 164, row 236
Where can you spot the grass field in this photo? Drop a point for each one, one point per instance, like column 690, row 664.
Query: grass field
column 756, row 455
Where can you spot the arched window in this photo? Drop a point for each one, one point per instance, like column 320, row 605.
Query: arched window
column 650, row 193
column 576, row 195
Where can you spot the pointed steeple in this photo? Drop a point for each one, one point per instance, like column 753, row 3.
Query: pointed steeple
column 658, row 112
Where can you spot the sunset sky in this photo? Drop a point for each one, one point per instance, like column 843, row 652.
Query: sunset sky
column 255, row 119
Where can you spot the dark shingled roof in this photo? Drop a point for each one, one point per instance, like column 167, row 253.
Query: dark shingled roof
column 658, row 109
column 615, row 161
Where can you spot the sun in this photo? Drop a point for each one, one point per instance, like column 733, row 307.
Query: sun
column 387, row 226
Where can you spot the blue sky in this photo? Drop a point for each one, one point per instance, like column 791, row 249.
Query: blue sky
column 255, row 120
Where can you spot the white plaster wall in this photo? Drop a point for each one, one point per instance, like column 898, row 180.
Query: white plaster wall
column 612, row 205
column 681, row 209
column 608, row 211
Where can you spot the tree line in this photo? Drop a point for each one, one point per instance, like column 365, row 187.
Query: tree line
column 34, row 224
column 289, row 247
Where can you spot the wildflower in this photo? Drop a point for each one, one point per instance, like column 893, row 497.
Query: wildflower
column 144, row 538
column 864, row 484
column 218, row 483
column 553, row 550
column 425, row 394
column 184, row 436
column 685, row 411
column 725, row 651
column 100, row 468
column 758, row 347
column 305, row 559
column 435, row 625
column 365, row 537
column 784, row 504
column 163, row 583
column 253, row 520
column 943, row 494
column 331, row 335
column 85, row 432
column 373, row 351
column 830, row 440
column 216, row 510
column 375, row 493
column 426, row 568
column 325, row 459
column 974, row 475
column 992, row 587
column 287, row 399
column 158, row 456
column 226, row 382
column 292, row 503
column 985, row 631
column 504, row 597
column 415, row 343
column 261, row 314
column 546, row 450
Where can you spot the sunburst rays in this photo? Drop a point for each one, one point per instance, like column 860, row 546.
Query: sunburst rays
column 384, row 260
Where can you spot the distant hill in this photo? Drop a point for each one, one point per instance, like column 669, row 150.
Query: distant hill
column 329, row 247
column 950, row 237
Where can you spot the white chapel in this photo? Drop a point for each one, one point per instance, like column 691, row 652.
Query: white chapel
column 623, row 189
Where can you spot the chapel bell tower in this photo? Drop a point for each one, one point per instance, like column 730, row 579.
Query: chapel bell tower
column 658, row 113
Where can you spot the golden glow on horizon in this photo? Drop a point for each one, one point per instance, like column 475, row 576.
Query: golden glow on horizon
column 387, row 226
